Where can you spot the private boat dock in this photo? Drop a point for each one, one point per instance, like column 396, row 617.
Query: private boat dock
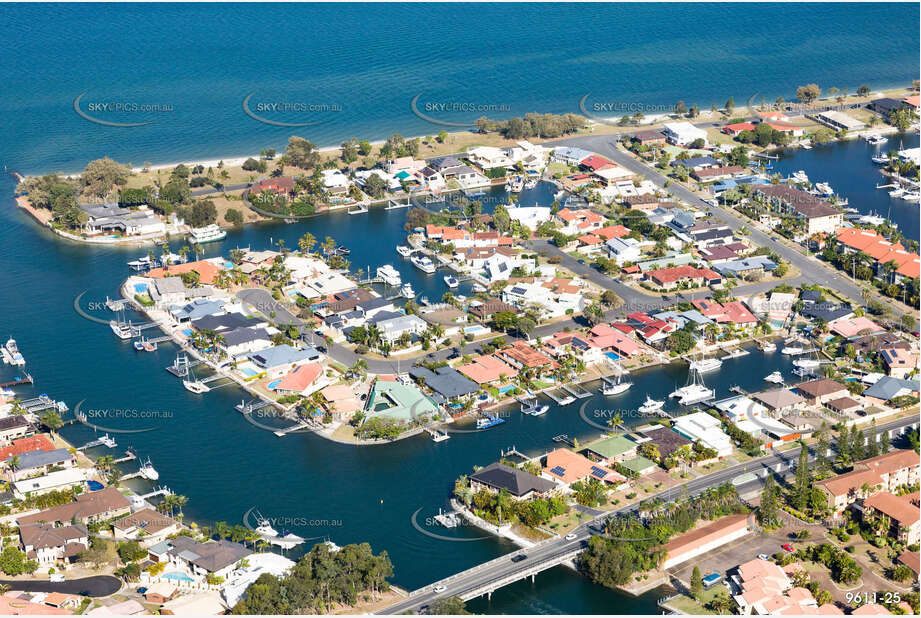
column 41, row 403
column 182, row 364
column 105, row 441
column 256, row 404
column 27, row 379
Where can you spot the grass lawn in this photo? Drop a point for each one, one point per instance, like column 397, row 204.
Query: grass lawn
column 687, row 605
column 562, row 524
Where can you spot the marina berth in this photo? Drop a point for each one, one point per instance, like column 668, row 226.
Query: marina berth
column 209, row 233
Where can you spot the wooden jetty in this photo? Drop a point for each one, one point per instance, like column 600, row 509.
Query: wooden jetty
column 251, row 406
column 182, row 364
column 27, row 379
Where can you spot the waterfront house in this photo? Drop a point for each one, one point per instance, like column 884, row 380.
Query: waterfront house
column 611, row 450
column 167, row 291
column 704, row 428
column 902, row 264
column 48, row 544
column 302, row 380
column 206, row 270
column 217, row 558
column 737, row 127
column 53, row 481
column 684, row 133
column 902, row 511
column 335, row 182
column 487, row 368
column 146, row 526
column 881, row 473
column 398, row 402
column 651, row 136
column 566, row 467
column 576, row 344
column 827, row 311
column 519, row 484
column 817, row 392
column 853, row 327
column 281, row 185
column 239, row 342
column 718, row 173
column 87, row 508
column 13, row 427
column 819, row 216
column 489, row 157
column 764, row 588
column 108, row 218
column 41, row 461
column 839, row 121
column 780, row 400
column 694, row 164
column 578, row 221
column 446, row 382
column 732, row 312
column 869, row 345
column 198, row 308
column 569, row 156
column 612, row 340
column 521, row 356
column 278, row 360
column 40, row 442
column 666, row 440
column 341, row 401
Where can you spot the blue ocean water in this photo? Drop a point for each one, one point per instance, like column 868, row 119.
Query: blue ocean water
column 370, row 60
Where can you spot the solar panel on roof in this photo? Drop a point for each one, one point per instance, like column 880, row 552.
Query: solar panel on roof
column 558, row 470
column 599, row 472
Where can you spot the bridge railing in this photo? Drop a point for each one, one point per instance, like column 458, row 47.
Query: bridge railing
column 516, row 575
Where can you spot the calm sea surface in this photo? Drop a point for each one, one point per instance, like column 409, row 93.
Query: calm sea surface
column 200, row 62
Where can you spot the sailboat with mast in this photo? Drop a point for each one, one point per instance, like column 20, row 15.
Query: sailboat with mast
column 695, row 391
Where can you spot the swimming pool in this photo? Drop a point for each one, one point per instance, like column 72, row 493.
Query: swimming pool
column 140, row 288
column 477, row 329
column 612, row 356
column 506, row 388
column 246, row 371
column 95, row 485
column 178, row 576
column 271, row 385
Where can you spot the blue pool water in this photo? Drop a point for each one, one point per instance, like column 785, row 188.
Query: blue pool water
column 506, row 388
column 248, row 372
column 271, row 386
column 94, row 485
column 177, row 576
column 612, row 356
column 140, row 287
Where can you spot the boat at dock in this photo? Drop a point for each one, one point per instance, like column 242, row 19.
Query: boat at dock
column 404, row 250
column 141, row 264
column 650, row 406
column 11, row 353
column 792, row 350
column 532, row 407
column 876, row 140
column 799, row 176
column 914, row 196
column 770, row 346
column 121, row 330
column 477, row 288
column 615, row 388
column 407, row 291
column 737, row 353
column 448, row 520
column 389, row 275
column 139, row 345
column 423, row 263
column 897, row 192
column 695, row 391
column 209, row 233
column 451, row 281
column 807, row 363
column 515, row 184
column 194, row 386
column 150, row 346
column 148, row 471
column 440, row 436
column 488, row 421
column 774, row 378
column 706, row 364
column 880, row 159
column 286, row 540
column 824, row 188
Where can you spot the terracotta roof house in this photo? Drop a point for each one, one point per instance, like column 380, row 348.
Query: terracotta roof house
column 39, row 442
column 882, row 473
column 737, row 127
column 87, row 508
column 487, row 368
column 819, row 391
column 608, row 338
column 492, row 306
column 522, row 356
column 732, row 312
column 147, row 525
column 281, row 185
column 518, row 483
column 12, row 605
column 670, row 278
column 207, row 271
column 912, row 560
column 568, row 467
column 779, row 399
column 899, row 362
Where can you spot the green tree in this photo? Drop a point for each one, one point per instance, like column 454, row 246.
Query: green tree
column 803, row 482
column 697, row 583
column 767, row 511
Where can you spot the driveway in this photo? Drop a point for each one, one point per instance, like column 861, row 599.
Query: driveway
column 95, row 586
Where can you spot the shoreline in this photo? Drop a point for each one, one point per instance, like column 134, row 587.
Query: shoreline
column 213, row 160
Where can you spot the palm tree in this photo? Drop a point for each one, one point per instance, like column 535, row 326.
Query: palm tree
column 306, row 243
column 14, row 465
column 52, row 420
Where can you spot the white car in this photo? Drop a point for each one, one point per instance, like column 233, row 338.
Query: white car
column 763, row 557
column 440, row 588
column 56, row 577
column 570, row 537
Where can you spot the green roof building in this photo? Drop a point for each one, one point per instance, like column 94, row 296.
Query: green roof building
column 612, row 449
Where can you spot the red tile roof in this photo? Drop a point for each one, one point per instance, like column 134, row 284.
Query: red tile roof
column 596, row 162
column 676, row 273
column 41, row 442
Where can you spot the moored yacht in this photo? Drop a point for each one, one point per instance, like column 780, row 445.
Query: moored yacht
column 792, row 350
column 695, row 391
column 407, row 290
column 799, row 176
column 774, row 378
column 423, row 263
column 451, row 281
column 148, row 471
column 389, row 275
column 706, row 364
column 404, row 250
column 770, row 346
column 880, row 158
column 615, row 388
column 876, row 140
column 806, row 363
column 195, row 386
column 650, row 406
column 121, row 330
column 209, row 233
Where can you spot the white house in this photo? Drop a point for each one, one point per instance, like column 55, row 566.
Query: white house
column 684, row 133
column 706, row 429
column 489, row 157
column 530, row 216
column 62, row 479
column 335, row 181
column 532, row 157
column 393, row 328
column 498, row 267
column 552, row 303
column 623, row 250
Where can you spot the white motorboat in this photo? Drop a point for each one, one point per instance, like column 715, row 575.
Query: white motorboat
column 876, row 140
column 209, row 233
column 533, row 408
column 824, row 188
column 792, row 350
column 148, row 471
column 706, row 364
column 12, row 355
column 695, row 391
column 141, row 264
column 451, row 281
column 515, row 184
column 404, row 250
column 914, row 196
column 440, row 436
column 774, row 378
column 799, row 176
column 389, row 275
column 407, row 290
column 806, row 363
column 121, row 330
column 423, row 263
column 650, row 406
column 477, row 288
column 897, row 192
column 265, row 529
column 880, row 159
column 770, row 346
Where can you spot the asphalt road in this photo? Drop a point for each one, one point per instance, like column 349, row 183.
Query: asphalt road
column 503, row 567
column 95, row 586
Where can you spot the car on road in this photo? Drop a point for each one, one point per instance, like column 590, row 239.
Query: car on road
column 787, row 547
column 581, row 261
column 440, row 588
column 142, row 590
column 763, row 557
column 571, row 536
column 56, row 577
column 519, row 558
